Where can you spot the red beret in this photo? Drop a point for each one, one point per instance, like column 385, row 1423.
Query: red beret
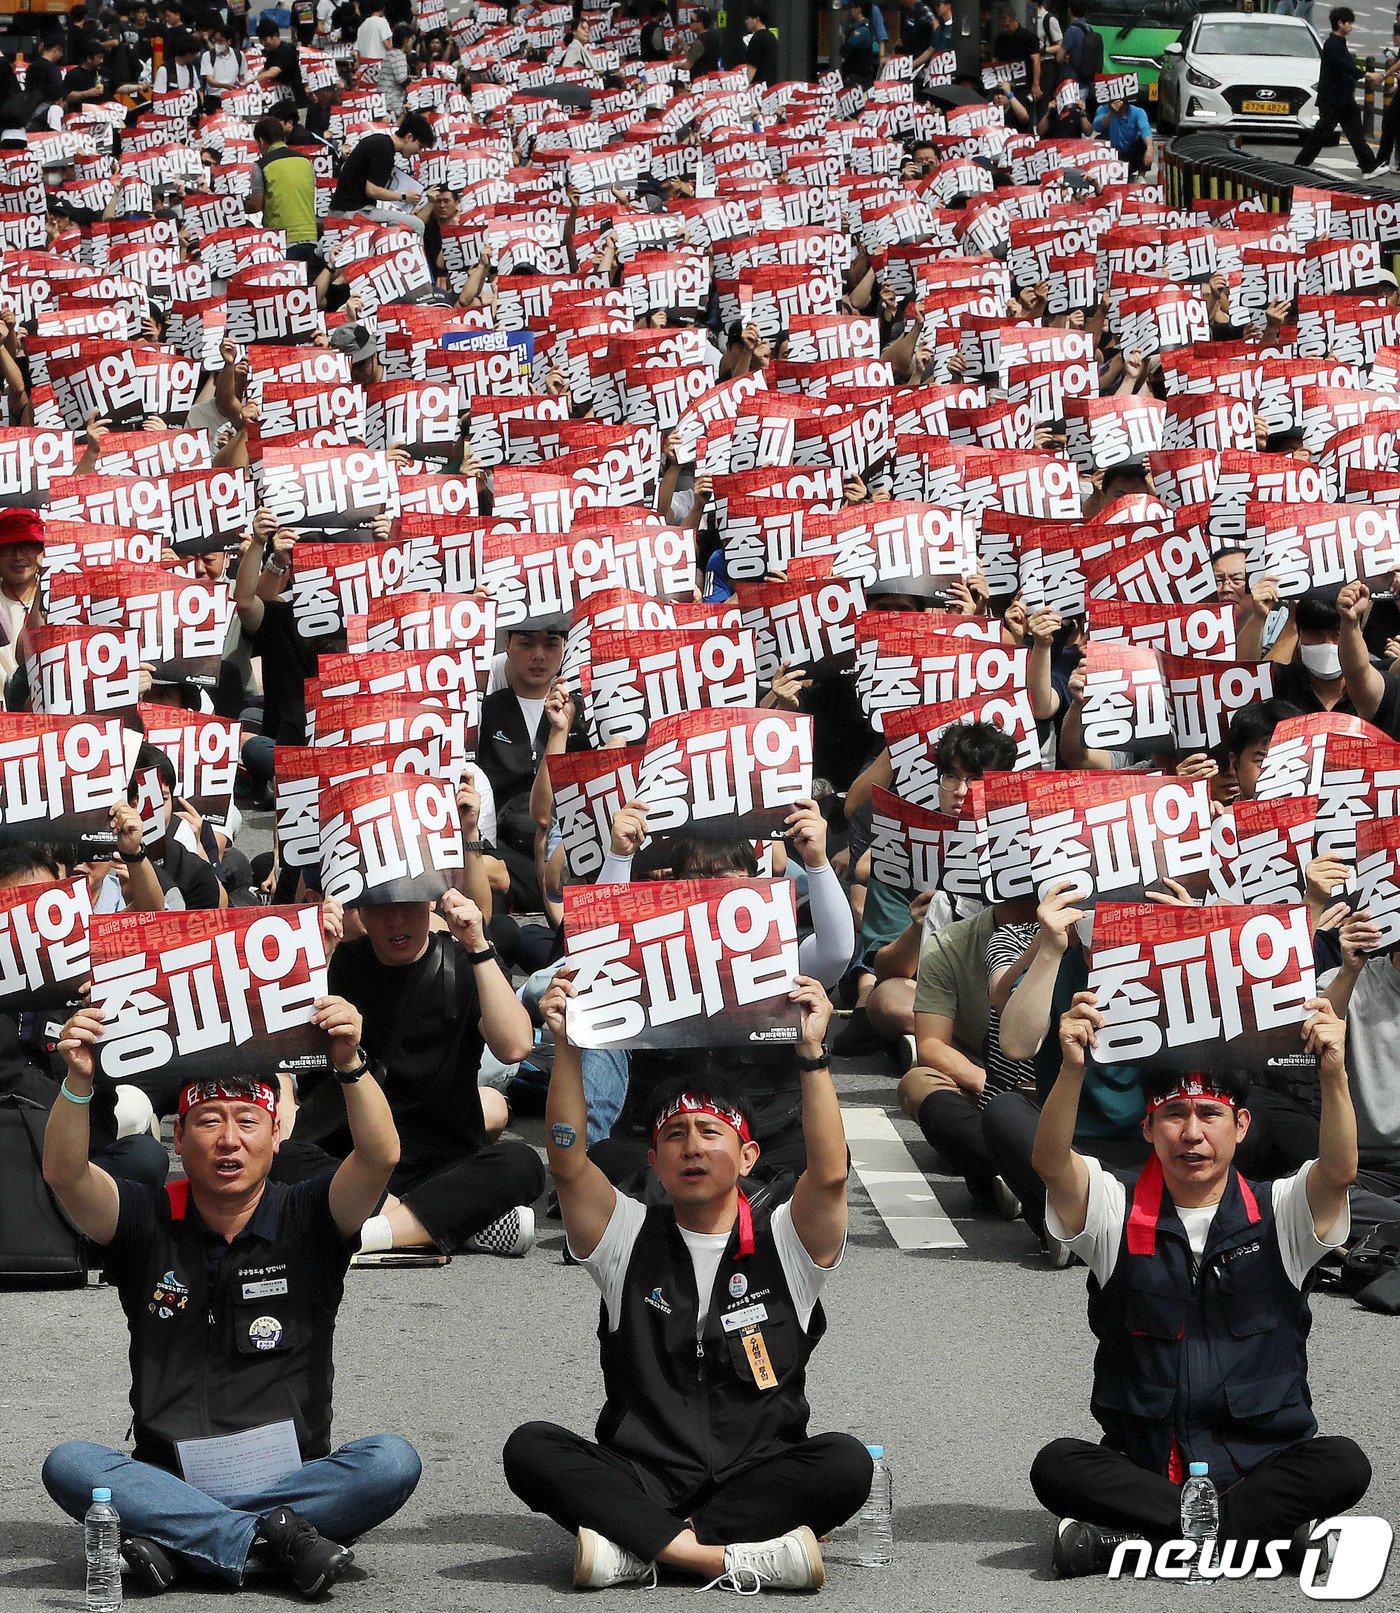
column 20, row 526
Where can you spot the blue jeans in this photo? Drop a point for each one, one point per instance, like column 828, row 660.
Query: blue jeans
column 343, row 1495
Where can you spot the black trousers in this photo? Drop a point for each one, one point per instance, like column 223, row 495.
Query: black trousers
column 821, row 1483
column 1009, row 1123
column 454, row 1198
column 1317, row 1479
column 1390, row 131
column 952, row 1127
column 1330, row 119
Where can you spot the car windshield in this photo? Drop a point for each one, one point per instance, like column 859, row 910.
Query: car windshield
column 1242, row 39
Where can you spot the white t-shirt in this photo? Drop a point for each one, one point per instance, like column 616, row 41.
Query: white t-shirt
column 1097, row 1246
column 373, row 39
column 532, row 711
column 608, row 1263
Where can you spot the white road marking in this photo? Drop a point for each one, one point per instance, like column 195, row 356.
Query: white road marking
column 898, row 1189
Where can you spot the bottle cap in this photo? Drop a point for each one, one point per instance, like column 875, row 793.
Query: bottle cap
column 102, row 1495
column 877, row 1451
column 1199, row 1470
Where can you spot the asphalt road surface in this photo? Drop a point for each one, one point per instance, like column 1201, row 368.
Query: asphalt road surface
column 962, row 1363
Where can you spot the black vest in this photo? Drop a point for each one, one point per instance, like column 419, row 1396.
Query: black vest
column 691, row 1412
column 255, row 1350
column 1215, row 1362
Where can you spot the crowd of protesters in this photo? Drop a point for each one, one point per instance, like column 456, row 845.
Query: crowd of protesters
column 447, row 288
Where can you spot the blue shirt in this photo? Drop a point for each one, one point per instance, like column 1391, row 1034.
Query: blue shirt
column 1125, row 129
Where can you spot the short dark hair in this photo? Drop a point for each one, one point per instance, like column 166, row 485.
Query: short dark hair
column 402, row 34
column 1255, row 723
column 1224, row 552
column 1338, row 15
column 285, row 110
column 715, row 1088
column 975, row 748
column 148, row 757
column 414, row 126
column 268, row 29
column 1315, row 613
column 702, row 17
column 1228, row 1083
column 693, row 858
column 269, row 131
column 25, row 857
column 760, row 12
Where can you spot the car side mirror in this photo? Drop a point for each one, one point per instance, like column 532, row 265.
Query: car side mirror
column 1174, row 49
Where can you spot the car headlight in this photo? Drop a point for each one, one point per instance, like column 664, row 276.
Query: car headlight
column 1202, row 81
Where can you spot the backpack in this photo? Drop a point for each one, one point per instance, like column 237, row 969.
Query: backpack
column 39, row 1246
column 1091, row 61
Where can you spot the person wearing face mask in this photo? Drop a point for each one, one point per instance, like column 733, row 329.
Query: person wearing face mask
column 1311, row 676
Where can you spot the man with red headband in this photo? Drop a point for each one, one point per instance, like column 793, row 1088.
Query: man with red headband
column 230, row 1283
column 710, row 1311
column 1198, row 1284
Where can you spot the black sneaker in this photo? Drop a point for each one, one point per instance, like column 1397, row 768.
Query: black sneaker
column 152, row 1567
column 311, row 1562
column 856, row 1037
column 1083, row 1548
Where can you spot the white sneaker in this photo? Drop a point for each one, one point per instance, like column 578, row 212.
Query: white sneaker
column 1058, row 1252
column 598, row 1563
column 513, row 1234
column 792, row 1562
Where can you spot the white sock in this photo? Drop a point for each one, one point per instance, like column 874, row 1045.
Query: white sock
column 376, row 1235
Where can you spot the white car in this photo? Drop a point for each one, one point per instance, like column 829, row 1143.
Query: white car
column 1239, row 70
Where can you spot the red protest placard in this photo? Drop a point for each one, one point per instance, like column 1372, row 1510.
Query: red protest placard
column 44, row 955
column 1201, row 988
column 390, row 837
column 683, row 963
column 209, row 995
column 60, row 777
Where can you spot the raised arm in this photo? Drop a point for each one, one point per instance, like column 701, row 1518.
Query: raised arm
column 826, row 953
column 87, row 1193
column 359, row 1184
column 559, row 710
column 505, row 1021
column 1064, row 1173
column 1026, row 1017
column 1365, row 683
column 586, row 1197
column 1334, row 1169
column 819, row 1199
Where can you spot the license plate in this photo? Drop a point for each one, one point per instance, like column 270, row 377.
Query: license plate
column 1280, row 108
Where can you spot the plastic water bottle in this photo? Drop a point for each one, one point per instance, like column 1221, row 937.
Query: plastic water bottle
column 867, row 1541
column 102, row 1538
column 1200, row 1515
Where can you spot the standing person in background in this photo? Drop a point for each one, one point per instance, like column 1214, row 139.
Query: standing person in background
column 284, row 189
column 1336, row 96
column 760, row 48
column 704, row 54
column 651, row 34
column 1013, row 43
column 281, row 64
column 375, row 35
column 860, row 56
column 917, row 27
column 1390, row 118
column 397, row 68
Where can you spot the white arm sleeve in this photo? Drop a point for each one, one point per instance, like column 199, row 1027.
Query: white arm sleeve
column 615, row 871
column 826, row 953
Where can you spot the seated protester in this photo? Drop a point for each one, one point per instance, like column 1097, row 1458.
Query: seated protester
column 208, row 1364
column 515, row 731
column 183, row 876
column 964, row 753
column 1052, row 970
column 1311, row 676
column 270, row 630
column 696, row 1468
column 120, row 1139
column 766, row 1074
column 21, row 550
column 965, row 974
column 1198, row 1283
column 431, row 1000
column 366, row 177
column 1255, row 632
column 1246, row 745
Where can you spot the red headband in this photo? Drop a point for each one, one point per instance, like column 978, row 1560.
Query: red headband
column 258, row 1092
column 1191, row 1086
column 689, row 1103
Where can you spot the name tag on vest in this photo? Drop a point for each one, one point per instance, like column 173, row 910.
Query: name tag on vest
column 267, row 1290
column 750, row 1316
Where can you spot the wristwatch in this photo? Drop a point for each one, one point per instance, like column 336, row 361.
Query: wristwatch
column 820, row 1062
column 348, row 1078
column 478, row 846
column 484, row 956
column 138, row 856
